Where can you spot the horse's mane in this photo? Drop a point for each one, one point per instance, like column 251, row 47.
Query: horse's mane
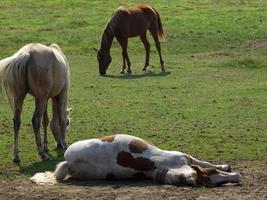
column 110, row 28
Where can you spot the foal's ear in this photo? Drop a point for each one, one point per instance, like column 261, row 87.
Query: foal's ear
column 95, row 49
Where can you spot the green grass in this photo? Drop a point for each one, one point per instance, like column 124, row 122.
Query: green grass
column 212, row 103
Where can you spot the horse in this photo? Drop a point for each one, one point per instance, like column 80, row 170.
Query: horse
column 43, row 72
column 126, row 23
column 124, row 156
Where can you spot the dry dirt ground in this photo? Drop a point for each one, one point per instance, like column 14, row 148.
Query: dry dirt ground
column 254, row 186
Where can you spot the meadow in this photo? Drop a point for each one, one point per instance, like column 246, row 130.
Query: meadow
column 211, row 102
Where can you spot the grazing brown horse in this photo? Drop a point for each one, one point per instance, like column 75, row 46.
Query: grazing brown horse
column 42, row 72
column 125, row 23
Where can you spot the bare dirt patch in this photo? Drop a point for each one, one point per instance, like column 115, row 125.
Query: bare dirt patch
column 254, row 187
column 262, row 44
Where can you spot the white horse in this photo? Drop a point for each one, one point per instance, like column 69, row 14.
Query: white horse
column 42, row 72
column 125, row 156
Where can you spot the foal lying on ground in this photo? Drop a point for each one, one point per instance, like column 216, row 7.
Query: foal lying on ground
column 124, row 156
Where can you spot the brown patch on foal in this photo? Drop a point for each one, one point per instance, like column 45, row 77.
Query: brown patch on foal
column 109, row 138
column 138, row 146
column 203, row 174
column 126, row 159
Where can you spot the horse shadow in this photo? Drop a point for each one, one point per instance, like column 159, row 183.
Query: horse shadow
column 137, row 76
column 116, row 183
column 42, row 166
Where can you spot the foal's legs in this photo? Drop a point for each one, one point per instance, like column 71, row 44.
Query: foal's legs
column 147, row 48
column 40, row 105
column 124, row 43
column 222, row 177
column 156, row 39
column 205, row 164
column 45, row 124
column 16, row 125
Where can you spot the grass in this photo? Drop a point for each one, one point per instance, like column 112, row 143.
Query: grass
column 211, row 103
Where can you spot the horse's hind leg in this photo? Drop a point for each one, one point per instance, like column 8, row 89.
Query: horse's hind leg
column 156, row 39
column 123, row 65
column 205, row 164
column 45, row 124
column 40, row 105
column 147, row 48
column 16, row 124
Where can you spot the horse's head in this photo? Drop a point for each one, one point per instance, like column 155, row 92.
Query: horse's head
column 104, row 59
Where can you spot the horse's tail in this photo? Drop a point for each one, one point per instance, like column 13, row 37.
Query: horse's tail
column 62, row 170
column 44, row 178
column 13, row 73
column 161, row 33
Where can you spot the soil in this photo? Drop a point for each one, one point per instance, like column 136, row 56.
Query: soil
column 262, row 44
column 254, row 186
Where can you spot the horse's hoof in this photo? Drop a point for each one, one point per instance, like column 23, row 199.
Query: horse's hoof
column 162, row 70
column 16, row 160
column 122, row 72
column 227, row 168
column 63, row 148
column 145, row 72
column 239, row 179
column 45, row 157
column 59, row 146
column 129, row 72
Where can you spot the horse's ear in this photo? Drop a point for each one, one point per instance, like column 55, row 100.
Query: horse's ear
column 69, row 110
column 95, row 49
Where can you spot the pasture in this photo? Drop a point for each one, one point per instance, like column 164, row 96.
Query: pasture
column 210, row 103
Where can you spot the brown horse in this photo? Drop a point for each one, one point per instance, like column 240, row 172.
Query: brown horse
column 42, row 72
column 125, row 23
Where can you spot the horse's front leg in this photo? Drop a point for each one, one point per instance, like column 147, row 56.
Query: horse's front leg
column 62, row 113
column 123, row 41
column 16, row 125
column 36, row 123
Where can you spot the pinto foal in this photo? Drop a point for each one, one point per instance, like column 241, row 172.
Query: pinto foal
column 125, row 156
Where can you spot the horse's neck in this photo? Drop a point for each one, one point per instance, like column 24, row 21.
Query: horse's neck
column 108, row 36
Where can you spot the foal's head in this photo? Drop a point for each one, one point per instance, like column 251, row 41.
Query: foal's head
column 104, row 59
